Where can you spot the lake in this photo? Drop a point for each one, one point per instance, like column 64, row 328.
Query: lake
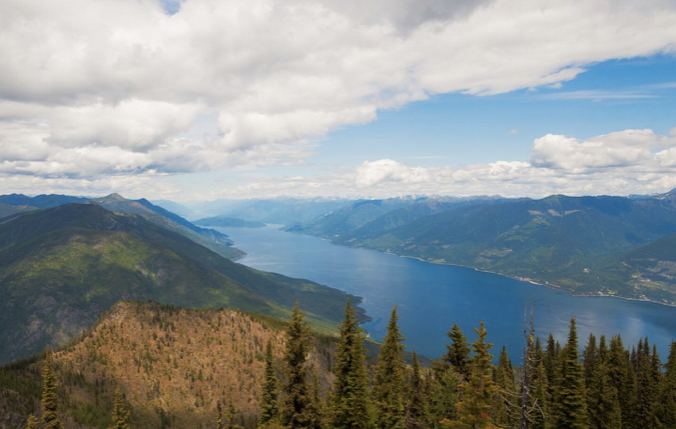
column 431, row 297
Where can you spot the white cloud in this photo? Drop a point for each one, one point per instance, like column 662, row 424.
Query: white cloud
column 110, row 87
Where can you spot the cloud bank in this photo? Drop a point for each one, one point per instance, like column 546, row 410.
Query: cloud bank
column 91, row 90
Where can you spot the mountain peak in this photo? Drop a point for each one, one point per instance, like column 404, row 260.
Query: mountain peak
column 114, row 196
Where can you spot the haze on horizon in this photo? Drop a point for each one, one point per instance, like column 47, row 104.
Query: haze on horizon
column 204, row 99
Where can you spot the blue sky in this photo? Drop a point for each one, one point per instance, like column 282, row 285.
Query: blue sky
column 461, row 129
column 205, row 99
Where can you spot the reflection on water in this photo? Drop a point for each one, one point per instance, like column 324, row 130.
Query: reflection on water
column 432, row 297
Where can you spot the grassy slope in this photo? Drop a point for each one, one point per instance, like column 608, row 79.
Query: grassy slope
column 61, row 268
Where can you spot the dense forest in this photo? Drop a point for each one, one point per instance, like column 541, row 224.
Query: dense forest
column 554, row 386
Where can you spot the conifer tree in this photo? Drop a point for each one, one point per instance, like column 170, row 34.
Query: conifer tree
column 444, row 392
column 268, row 407
column 667, row 403
column 602, row 400
column 295, row 409
column 622, row 376
column 219, row 415
column 569, row 409
column 32, row 422
column 537, row 418
column 50, row 408
column 388, row 383
column 458, row 351
column 474, row 409
column 417, row 410
column 231, row 416
column 590, row 357
column 350, row 398
column 120, row 415
column 504, row 379
column 317, row 409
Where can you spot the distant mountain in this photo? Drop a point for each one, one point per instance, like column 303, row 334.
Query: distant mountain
column 283, row 211
column 40, row 201
column 61, row 268
column 558, row 240
column 226, row 221
column 351, row 217
column 175, row 207
column 7, row 210
column 173, row 366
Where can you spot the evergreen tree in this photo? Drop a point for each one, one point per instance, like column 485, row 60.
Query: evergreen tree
column 621, row 374
column 504, row 379
column 417, row 415
column 474, row 409
column 647, row 386
column 550, row 361
column 350, row 398
column 590, row 357
column 444, row 393
column 388, row 383
column 316, row 410
column 268, row 407
column 50, row 408
column 569, row 409
column 539, row 407
column 667, row 403
column 120, row 415
column 458, row 351
column 231, row 416
column 602, row 400
column 219, row 415
column 296, row 405
column 32, row 422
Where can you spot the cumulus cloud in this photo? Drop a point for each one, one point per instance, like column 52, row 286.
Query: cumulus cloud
column 111, row 87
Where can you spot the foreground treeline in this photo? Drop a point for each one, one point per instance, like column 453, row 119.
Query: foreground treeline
column 607, row 386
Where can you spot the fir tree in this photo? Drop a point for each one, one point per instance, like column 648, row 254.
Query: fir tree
column 569, row 409
column 268, row 407
column 622, row 376
column 458, row 351
column 120, row 415
column 50, row 408
column 350, row 398
column 32, row 422
column 474, row 409
column 602, row 400
column 295, row 409
column 537, row 416
column 388, row 385
column 417, row 415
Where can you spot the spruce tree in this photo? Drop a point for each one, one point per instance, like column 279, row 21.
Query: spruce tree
column 417, row 410
column 388, row 383
column 474, row 410
column 603, row 404
column 268, row 407
column 569, row 409
column 219, row 415
column 538, row 409
column 295, row 409
column 231, row 416
column 120, row 415
column 458, row 351
column 350, row 397
column 50, row 408
column 32, row 422
column 622, row 376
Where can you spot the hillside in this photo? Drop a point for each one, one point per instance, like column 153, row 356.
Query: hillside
column 209, row 238
column 172, row 365
column 558, row 240
column 61, row 268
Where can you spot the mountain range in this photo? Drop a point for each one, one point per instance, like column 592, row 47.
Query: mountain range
column 60, row 268
column 588, row 245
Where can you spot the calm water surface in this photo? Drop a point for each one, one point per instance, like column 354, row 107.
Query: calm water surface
column 432, row 297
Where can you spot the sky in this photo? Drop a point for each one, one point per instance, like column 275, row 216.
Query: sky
column 206, row 99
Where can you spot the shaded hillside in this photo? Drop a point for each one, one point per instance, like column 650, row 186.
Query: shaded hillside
column 284, row 211
column 7, row 210
column 61, row 268
column 40, row 201
column 173, row 365
column 210, row 238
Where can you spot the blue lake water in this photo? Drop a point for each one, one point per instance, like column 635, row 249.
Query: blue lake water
column 432, row 297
